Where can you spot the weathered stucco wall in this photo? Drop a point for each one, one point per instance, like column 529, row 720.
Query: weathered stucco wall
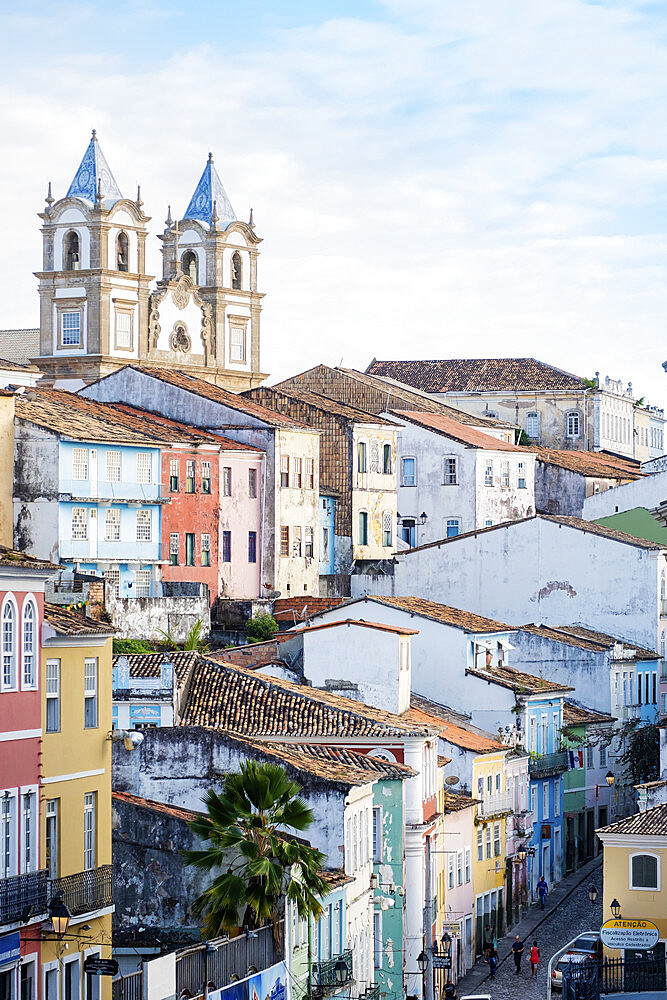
column 647, row 492
column 147, row 617
column 6, row 463
column 36, row 461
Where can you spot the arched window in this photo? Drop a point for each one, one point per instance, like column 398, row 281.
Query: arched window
column 9, row 645
column 189, row 266
column 533, row 424
column 72, row 258
column 573, row 424
column 29, row 644
column 122, row 252
column 237, row 270
column 644, row 871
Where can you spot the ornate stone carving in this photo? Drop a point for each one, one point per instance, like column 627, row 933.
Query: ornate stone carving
column 207, row 328
column 180, row 291
column 179, row 340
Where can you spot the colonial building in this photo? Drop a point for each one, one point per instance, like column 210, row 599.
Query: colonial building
column 98, row 309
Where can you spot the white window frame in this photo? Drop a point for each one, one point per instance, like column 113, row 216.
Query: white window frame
column 557, row 785
column 387, row 529
column 80, row 464
column 468, row 865
column 9, row 680
column 573, row 424
column 80, row 524
column 532, row 417
column 505, row 474
column 112, row 524
column 452, row 522
column 489, row 472
column 405, row 481
column 29, row 656
column 450, row 470
column 644, row 888
column 144, row 525
column 52, row 808
column 143, row 579
column 69, row 328
column 52, row 695
column 90, row 691
column 521, row 477
column 144, row 467
column 377, row 834
column 113, row 465
column 29, row 828
column 89, row 831
column 9, row 854
column 237, row 336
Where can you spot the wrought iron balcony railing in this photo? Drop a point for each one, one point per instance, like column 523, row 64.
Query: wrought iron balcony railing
column 325, row 974
column 23, row 896
column 85, row 891
column 494, row 805
column 372, row 993
column 548, row 764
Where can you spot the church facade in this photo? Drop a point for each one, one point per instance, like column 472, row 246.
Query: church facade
column 99, row 309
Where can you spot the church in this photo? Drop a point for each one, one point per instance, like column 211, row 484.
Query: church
column 99, row 309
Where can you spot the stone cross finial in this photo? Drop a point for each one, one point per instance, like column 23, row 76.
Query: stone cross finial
column 167, row 221
column 49, row 197
column 214, row 216
column 251, row 221
column 139, row 201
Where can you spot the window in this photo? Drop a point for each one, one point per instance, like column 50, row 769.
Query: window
column 72, row 974
column 377, row 834
column 488, row 474
column 28, row 639
column 297, row 478
column 450, row 871
column 532, row 424
column 206, row 550
column 556, row 731
column 488, row 523
column 79, row 463
column 112, row 524
column 70, row 328
column 90, row 693
column 89, row 831
column 252, row 482
column 489, row 784
column 113, row 466
column 227, row 546
column 143, row 526
column 309, row 542
column 173, row 548
column 573, row 424
column 28, row 832
column 112, row 579
column 644, row 871
column 363, row 527
column 522, row 476
column 236, row 270
column 488, row 840
column 174, row 474
column 374, row 464
column 189, row 266
column 142, row 582
column 71, row 246
column 252, row 546
column 557, row 797
column 504, row 473
column 654, row 688
column 387, row 465
column 361, row 456
column 480, row 844
column 284, row 540
column 544, row 734
column 545, row 799
column 237, row 344
column 143, row 467
column 450, row 477
column 603, row 755
column 123, row 330
column 532, row 744
column 9, row 645
column 377, row 939
column 387, row 528
column 468, row 864
column 80, row 522
column 459, row 867
column 206, row 477
column 190, row 476
column 122, row 252
column 8, row 854
column 408, row 471
column 284, row 470
column 53, row 696
column 496, row 840
column 296, row 542
column 589, row 756
column 452, row 527
column 189, row 549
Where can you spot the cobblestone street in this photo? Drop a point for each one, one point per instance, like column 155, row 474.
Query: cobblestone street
column 569, row 912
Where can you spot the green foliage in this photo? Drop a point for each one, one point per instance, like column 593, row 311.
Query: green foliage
column 641, row 754
column 255, row 859
column 523, row 438
column 590, row 383
column 193, row 639
column 130, row 646
column 259, row 628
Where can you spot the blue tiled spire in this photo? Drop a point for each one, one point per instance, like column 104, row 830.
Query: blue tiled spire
column 210, row 190
column 93, row 172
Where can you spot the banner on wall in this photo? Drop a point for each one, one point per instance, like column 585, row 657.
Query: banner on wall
column 269, row 984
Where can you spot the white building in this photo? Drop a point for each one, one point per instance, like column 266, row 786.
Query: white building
column 649, row 492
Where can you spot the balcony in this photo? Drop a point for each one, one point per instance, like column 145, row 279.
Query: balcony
column 495, row 805
column 325, row 980
column 23, row 896
column 85, row 891
column 627, row 711
column 548, row 764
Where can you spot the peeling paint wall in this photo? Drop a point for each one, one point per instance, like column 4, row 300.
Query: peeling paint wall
column 147, row 617
column 374, row 492
column 36, row 457
column 297, row 508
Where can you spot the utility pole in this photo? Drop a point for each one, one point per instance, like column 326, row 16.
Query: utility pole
column 428, row 925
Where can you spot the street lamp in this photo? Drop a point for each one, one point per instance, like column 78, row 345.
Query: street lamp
column 422, row 961
column 593, row 893
column 446, row 942
column 609, row 778
column 521, row 853
column 340, row 972
column 60, row 915
column 615, row 908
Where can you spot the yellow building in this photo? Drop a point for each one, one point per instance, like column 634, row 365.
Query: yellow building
column 634, row 871
column 489, row 862
column 76, row 799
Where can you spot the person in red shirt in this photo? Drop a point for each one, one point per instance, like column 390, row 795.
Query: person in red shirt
column 534, row 959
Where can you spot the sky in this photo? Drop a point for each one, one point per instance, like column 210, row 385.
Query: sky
column 430, row 178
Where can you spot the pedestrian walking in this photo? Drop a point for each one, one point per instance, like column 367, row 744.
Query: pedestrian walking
column 517, row 951
column 534, row 959
column 489, row 941
column 542, row 890
column 493, row 962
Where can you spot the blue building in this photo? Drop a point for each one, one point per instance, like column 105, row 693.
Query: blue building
column 542, row 723
column 327, row 540
column 648, row 680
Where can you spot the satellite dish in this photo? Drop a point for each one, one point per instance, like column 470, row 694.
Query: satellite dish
column 452, row 780
column 273, row 595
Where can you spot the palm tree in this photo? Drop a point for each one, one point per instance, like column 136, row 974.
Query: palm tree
column 248, row 831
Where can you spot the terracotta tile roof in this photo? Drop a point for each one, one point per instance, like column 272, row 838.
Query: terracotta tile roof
column 238, row 700
column 17, row 366
column 598, row 464
column 659, row 783
column 19, row 345
column 176, row 812
column 651, row 823
column 217, row 394
column 578, row 715
column 478, row 374
column 330, row 766
column 457, row 431
column 460, row 736
column 273, row 396
column 335, row 877
column 10, row 557
column 376, row 767
column 150, row 664
column 288, row 610
column 398, row 629
column 456, row 801
column 182, row 433
column 439, row 613
column 70, row 623
column 443, row 761
column 255, row 655
column 517, row 680
column 588, row 638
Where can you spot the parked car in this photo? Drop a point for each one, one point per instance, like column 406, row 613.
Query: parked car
column 575, row 958
column 586, row 944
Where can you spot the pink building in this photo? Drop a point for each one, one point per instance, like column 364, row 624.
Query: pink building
column 456, row 835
